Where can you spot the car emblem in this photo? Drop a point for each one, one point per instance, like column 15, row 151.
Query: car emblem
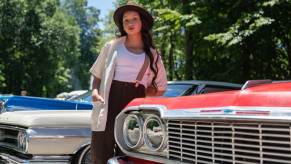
column 228, row 111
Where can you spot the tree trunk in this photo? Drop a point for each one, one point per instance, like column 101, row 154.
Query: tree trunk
column 189, row 54
column 245, row 60
column 171, row 58
column 288, row 51
column 188, row 44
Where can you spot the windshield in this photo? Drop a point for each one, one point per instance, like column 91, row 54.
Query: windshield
column 83, row 97
column 174, row 90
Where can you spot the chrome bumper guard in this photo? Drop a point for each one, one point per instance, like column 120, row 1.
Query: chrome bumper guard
column 114, row 160
column 35, row 160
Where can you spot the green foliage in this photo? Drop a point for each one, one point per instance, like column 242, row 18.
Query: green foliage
column 109, row 31
column 87, row 19
column 244, row 27
column 42, row 45
column 48, row 46
column 226, row 40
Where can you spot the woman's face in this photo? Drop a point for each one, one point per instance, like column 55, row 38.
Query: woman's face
column 131, row 22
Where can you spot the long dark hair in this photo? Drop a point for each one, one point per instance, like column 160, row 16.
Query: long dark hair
column 148, row 44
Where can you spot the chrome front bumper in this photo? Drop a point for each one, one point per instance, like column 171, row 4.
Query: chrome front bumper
column 115, row 160
column 6, row 158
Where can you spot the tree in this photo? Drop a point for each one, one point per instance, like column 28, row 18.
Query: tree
column 37, row 40
column 224, row 40
column 87, row 18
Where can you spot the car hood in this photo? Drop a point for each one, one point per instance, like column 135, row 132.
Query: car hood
column 268, row 95
column 48, row 119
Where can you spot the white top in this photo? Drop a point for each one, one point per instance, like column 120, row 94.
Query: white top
column 128, row 65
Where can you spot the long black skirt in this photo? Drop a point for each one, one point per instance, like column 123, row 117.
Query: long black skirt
column 103, row 143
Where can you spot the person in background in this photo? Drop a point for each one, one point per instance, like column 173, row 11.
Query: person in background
column 23, row 93
column 127, row 67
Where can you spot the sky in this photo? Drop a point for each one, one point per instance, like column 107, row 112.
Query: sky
column 104, row 6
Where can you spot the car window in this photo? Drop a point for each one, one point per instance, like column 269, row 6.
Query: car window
column 84, row 97
column 212, row 89
column 174, row 90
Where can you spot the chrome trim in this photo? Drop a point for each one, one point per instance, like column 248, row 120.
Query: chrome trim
column 14, row 108
column 140, row 139
column 15, row 147
column 11, row 127
column 146, row 140
column 38, row 159
column 120, row 141
column 228, row 141
column 57, row 137
column 253, row 83
column 2, row 105
column 46, row 134
column 275, row 113
column 114, row 160
column 53, row 133
column 75, row 136
column 269, row 114
column 86, row 149
column 82, row 146
column 22, row 139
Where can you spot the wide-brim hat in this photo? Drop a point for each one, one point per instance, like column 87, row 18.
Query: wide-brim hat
column 118, row 14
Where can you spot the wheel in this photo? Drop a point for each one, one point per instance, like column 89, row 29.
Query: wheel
column 84, row 156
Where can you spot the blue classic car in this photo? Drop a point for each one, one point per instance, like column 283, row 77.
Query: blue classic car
column 16, row 103
column 44, row 130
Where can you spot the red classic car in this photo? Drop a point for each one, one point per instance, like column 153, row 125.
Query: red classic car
column 247, row 126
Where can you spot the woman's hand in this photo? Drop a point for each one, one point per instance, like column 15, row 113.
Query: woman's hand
column 96, row 96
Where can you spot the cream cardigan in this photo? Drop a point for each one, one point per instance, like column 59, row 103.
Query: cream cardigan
column 103, row 68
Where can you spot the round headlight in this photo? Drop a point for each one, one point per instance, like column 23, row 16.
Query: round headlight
column 132, row 131
column 22, row 140
column 154, row 133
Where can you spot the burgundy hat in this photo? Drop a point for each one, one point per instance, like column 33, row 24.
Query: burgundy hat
column 118, row 14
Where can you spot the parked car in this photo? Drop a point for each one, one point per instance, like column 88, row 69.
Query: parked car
column 16, row 103
column 70, row 95
column 51, row 123
column 194, row 87
column 181, row 88
column 53, row 136
column 251, row 125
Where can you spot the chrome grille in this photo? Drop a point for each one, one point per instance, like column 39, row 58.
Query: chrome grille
column 8, row 137
column 228, row 142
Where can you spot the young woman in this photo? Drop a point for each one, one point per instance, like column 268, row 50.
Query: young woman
column 127, row 67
